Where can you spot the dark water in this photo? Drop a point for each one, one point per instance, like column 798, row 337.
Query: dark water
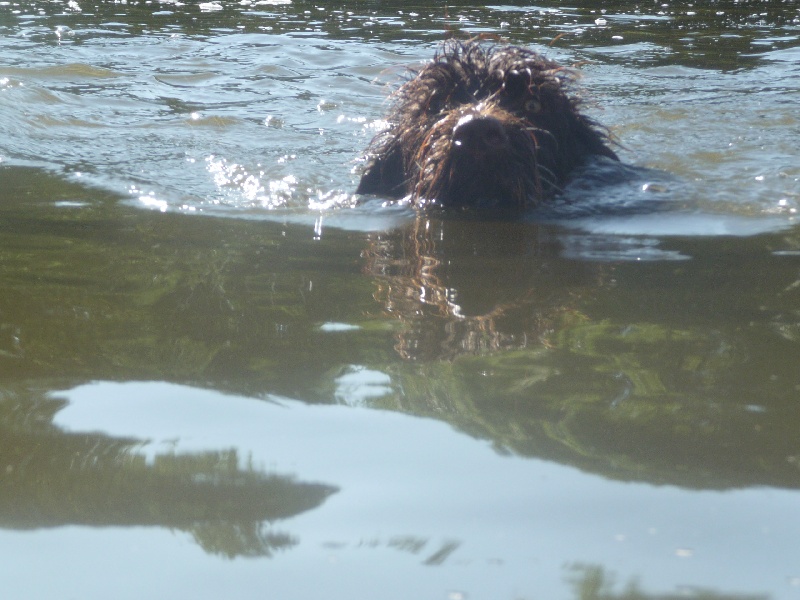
column 224, row 375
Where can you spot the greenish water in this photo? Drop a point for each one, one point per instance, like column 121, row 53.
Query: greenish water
column 223, row 375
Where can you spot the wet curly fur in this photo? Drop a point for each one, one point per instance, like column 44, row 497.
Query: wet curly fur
column 483, row 125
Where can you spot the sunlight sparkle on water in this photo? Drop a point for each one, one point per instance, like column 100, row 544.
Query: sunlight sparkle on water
column 153, row 202
column 248, row 186
column 331, row 200
column 338, row 327
column 149, row 200
column 345, row 118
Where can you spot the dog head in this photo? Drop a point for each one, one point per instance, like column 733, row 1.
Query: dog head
column 482, row 126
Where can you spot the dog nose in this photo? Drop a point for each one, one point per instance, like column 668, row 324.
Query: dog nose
column 480, row 136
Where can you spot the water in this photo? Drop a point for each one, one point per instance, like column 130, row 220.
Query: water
column 221, row 373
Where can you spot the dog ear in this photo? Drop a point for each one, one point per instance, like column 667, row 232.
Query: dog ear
column 384, row 175
column 595, row 139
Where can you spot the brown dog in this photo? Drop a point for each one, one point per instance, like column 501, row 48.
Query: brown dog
column 485, row 126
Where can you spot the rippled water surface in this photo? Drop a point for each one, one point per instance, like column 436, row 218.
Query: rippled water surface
column 223, row 374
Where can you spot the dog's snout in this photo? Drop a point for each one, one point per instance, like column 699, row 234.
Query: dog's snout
column 479, row 135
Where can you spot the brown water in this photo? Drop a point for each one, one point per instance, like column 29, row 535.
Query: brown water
column 223, row 375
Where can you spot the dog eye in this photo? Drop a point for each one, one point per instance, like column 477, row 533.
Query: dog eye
column 434, row 105
column 533, row 106
column 516, row 82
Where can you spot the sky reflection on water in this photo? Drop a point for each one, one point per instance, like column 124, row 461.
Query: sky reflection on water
column 517, row 523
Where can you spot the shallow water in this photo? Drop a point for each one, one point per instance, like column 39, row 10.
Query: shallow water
column 223, row 374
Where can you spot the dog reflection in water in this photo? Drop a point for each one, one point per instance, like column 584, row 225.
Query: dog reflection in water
column 476, row 286
column 483, row 126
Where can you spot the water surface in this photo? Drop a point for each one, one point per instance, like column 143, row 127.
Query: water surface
column 223, row 374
